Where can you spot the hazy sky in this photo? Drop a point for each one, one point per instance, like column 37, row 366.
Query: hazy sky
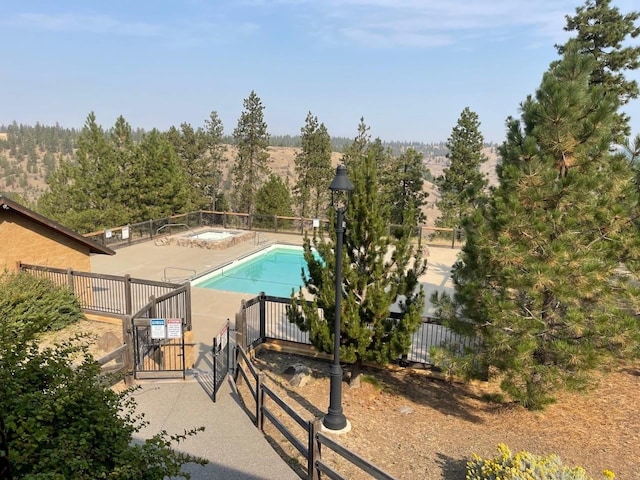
column 408, row 67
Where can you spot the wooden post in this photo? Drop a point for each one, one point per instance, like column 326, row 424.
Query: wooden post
column 127, row 357
column 241, row 327
column 263, row 317
column 152, row 310
column 314, row 450
column 70, row 280
column 259, row 402
column 187, row 302
column 128, row 305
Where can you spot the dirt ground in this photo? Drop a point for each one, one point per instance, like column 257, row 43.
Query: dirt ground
column 100, row 337
column 413, row 426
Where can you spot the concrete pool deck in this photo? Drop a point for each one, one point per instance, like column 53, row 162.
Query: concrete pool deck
column 211, row 308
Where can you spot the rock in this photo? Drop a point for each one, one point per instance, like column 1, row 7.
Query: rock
column 406, row 410
column 297, row 374
column 108, row 342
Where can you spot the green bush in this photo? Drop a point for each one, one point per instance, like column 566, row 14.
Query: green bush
column 525, row 466
column 62, row 422
column 28, row 303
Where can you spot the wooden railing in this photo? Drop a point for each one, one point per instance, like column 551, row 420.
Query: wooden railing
column 143, row 231
column 309, row 447
column 113, row 295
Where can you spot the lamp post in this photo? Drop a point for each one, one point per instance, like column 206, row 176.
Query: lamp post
column 340, row 188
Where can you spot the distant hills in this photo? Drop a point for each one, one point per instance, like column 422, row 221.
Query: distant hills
column 28, row 154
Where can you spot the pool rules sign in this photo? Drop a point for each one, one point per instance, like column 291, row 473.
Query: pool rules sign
column 162, row 328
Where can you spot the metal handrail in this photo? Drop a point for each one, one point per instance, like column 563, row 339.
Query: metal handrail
column 190, row 270
column 175, row 225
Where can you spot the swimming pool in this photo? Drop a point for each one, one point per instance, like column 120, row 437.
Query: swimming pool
column 275, row 271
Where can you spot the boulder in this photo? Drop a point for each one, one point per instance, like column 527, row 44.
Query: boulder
column 297, row 374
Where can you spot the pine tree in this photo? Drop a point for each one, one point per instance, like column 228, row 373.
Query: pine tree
column 252, row 160
column 601, row 31
column 274, row 198
column 84, row 195
column 379, row 270
column 545, row 275
column 313, row 168
column 462, row 183
column 157, row 185
column 122, row 146
column 403, row 182
column 215, row 134
column 192, row 147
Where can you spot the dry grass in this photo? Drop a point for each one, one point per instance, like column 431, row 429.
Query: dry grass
column 416, row 427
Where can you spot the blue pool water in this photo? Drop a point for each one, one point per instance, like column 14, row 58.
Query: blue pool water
column 276, row 271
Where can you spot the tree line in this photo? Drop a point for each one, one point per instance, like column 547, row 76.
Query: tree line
column 118, row 176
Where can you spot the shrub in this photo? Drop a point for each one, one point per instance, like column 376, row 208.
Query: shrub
column 525, row 466
column 35, row 304
column 62, row 422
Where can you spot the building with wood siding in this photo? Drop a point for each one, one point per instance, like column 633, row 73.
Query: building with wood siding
column 28, row 237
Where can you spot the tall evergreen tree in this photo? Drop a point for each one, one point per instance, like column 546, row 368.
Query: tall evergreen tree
column 355, row 149
column 379, row 270
column 404, row 182
column 123, row 156
column 601, row 30
column 84, row 194
column 549, row 272
column 462, row 183
column 313, row 168
column 156, row 183
column 192, row 147
column 274, row 198
column 252, row 160
column 215, row 135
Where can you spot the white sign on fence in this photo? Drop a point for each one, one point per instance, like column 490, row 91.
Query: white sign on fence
column 174, row 327
column 158, row 328
column 125, row 233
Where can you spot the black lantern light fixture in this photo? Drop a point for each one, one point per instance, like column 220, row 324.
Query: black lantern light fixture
column 341, row 189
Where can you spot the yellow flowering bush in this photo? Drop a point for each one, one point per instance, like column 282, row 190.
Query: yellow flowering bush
column 525, row 466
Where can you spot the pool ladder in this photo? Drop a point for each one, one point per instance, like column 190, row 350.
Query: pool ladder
column 182, row 278
column 257, row 240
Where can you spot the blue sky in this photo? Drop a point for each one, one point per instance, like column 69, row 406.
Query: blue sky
column 408, row 67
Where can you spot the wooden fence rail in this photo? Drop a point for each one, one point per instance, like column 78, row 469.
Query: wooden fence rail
column 124, row 235
column 310, row 447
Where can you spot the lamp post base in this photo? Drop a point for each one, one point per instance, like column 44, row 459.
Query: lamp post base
column 341, row 431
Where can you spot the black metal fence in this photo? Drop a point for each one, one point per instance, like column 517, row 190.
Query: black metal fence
column 221, row 352
column 158, row 337
column 264, row 318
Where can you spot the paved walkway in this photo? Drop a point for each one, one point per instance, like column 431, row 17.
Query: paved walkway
column 235, row 448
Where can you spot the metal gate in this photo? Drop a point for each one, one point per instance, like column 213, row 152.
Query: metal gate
column 221, row 359
column 158, row 348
